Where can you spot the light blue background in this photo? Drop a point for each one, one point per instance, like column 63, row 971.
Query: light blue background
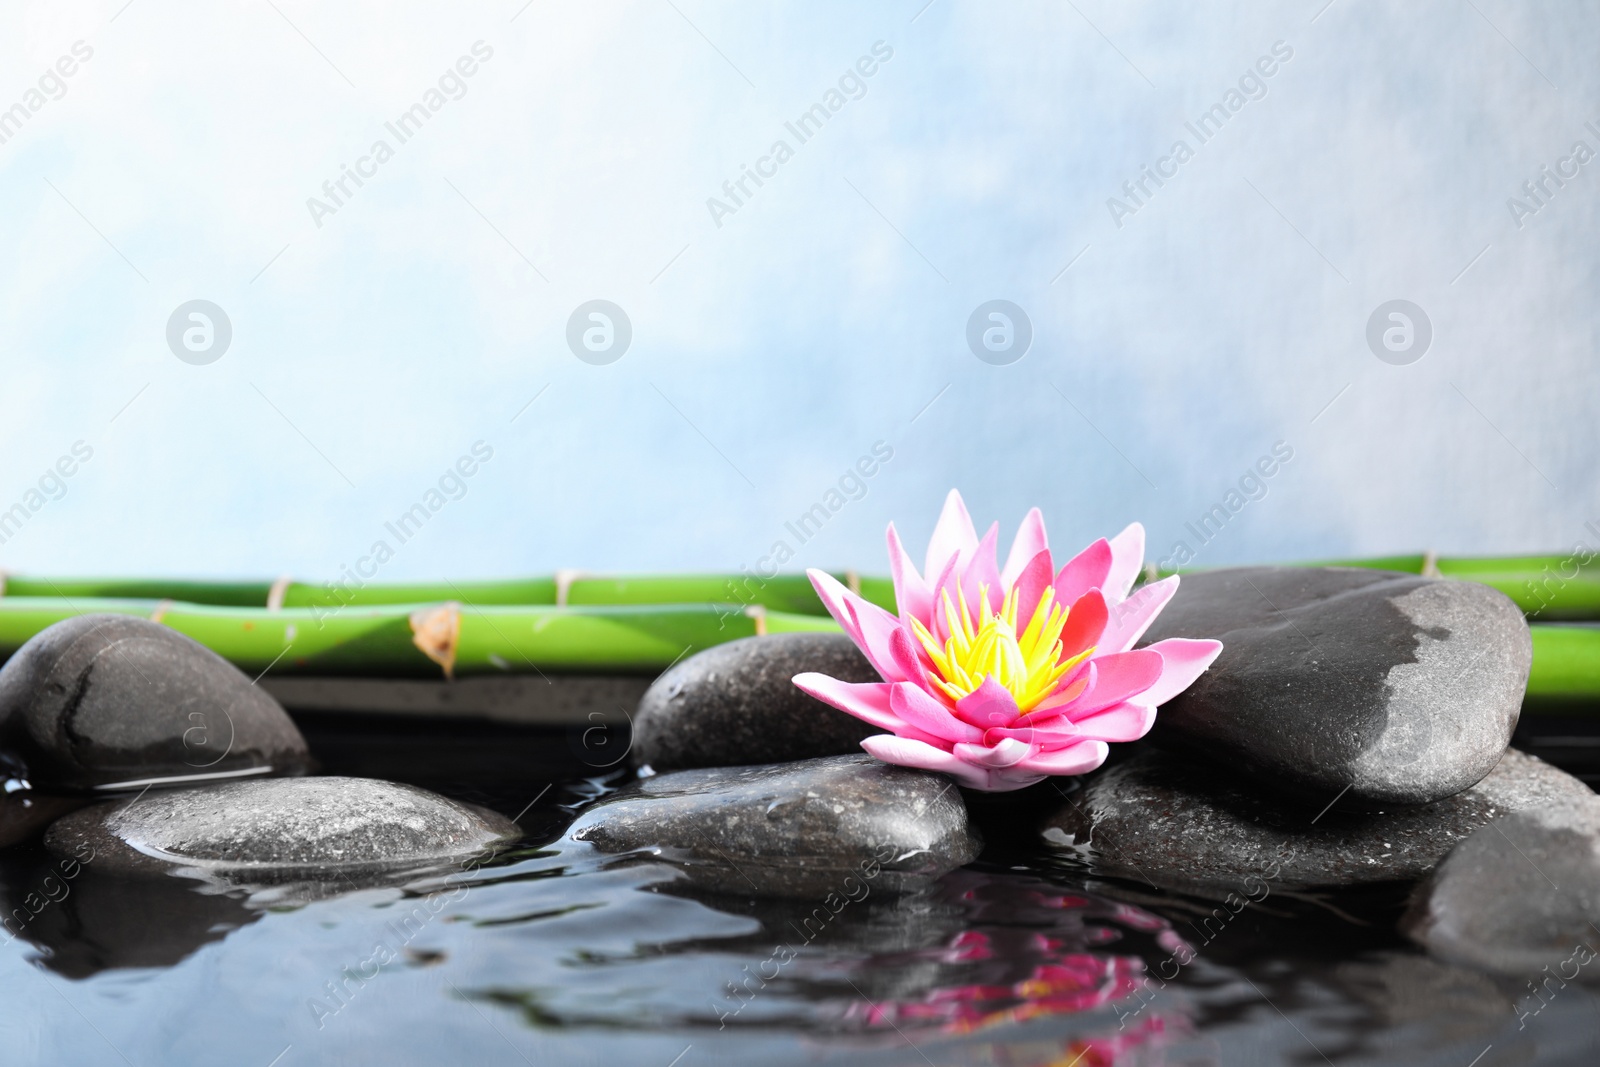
column 772, row 351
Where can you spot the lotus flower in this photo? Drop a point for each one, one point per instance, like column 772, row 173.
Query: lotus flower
column 1003, row 677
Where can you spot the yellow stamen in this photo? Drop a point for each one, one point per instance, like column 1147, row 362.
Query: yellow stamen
column 1028, row 666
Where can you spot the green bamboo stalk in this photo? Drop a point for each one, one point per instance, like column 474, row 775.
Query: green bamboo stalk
column 382, row 640
column 1546, row 588
column 783, row 593
column 1566, row 664
column 493, row 639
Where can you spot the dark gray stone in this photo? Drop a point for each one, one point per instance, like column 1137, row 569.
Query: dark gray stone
column 1382, row 689
column 737, row 704
column 803, row 829
column 102, row 701
column 280, row 829
column 1158, row 817
column 1520, row 896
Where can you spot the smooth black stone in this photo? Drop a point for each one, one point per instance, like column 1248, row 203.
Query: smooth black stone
column 737, row 704
column 281, row 829
column 1378, row 688
column 106, row 700
column 1161, row 818
column 1521, row 896
column 802, row 829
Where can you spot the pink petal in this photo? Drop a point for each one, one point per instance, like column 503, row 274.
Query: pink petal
column 921, row 711
column 905, row 752
column 1119, row 676
column 949, row 582
column 874, row 629
column 953, row 535
column 833, row 597
column 910, row 661
column 1008, row 753
column 1056, row 733
column 1083, row 572
column 991, row 704
column 1030, row 583
column 1086, row 621
column 867, row 701
column 1073, row 685
column 1075, row 760
column 1184, row 659
column 1124, row 722
column 983, row 573
column 912, row 596
column 1127, row 560
column 1029, row 542
column 1131, row 618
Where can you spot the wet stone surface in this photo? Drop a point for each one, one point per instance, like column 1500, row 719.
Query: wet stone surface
column 1520, row 896
column 1381, row 689
column 792, row 829
column 736, row 704
column 275, row 829
column 103, row 700
column 1156, row 817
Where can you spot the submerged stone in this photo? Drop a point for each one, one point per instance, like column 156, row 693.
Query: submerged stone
column 737, row 704
column 1156, row 817
column 112, row 701
column 840, row 825
column 1520, row 896
column 281, row 829
column 1380, row 689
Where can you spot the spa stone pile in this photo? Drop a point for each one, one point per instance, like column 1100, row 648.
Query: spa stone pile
column 1353, row 731
column 182, row 760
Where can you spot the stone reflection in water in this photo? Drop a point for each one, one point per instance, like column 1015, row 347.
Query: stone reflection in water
column 86, row 915
column 84, row 921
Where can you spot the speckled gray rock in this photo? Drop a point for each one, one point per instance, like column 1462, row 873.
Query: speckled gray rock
column 103, row 700
column 737, row 704
column 792, row 829
column 1387, row 688
column 1520, row 895
column 1157, row 816
column 281, row 829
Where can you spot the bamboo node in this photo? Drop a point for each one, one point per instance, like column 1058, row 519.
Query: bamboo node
column 436, row 632
column 276, row 594
column 758, row 613
column 564, row 579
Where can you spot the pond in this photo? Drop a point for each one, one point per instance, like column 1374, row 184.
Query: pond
column 555, row 954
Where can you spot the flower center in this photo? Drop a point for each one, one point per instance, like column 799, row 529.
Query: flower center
column 1027, row 665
